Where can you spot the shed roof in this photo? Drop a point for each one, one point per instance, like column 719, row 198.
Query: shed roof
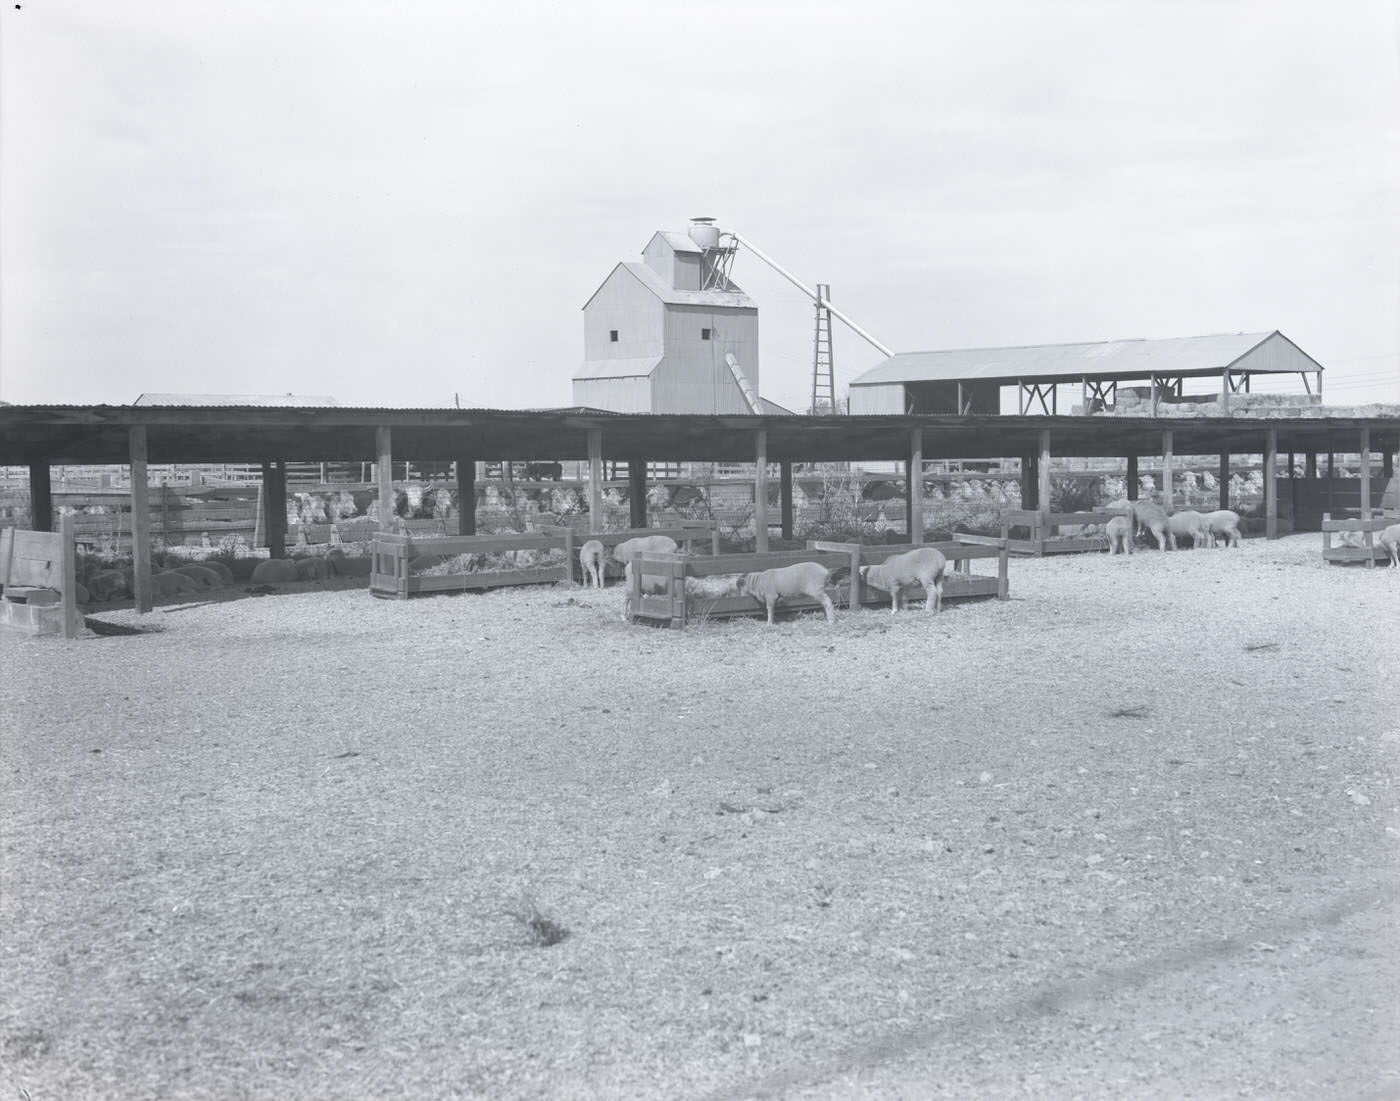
column 638, row 367
column 1242, row 353
column 98, row 434
column 312, row 401
column 679, row 242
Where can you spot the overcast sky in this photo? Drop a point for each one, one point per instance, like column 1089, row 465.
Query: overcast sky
column 396, row 203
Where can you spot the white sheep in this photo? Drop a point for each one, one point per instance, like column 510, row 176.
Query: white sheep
column 1224, row 522
column 1120, row 535
column 924, row 565
column 1390, row 540
column 1146, row 516
column 807, row 579
column 590, row 558
column 1189, row 522
column 630, row 549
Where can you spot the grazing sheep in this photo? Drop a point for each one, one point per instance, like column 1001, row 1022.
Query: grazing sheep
column 1390, row 540
column 171, row 583
column 1120, row 535
column 590, row 558
column 1146, row 516
column 202, row 576
column 1224, row 522
column 1189, row 522
column 271, row 570
column 924, row 565
column 109, row 585
column 632, row 548
column 225, row 574
column 312, row 569
column 807, row 579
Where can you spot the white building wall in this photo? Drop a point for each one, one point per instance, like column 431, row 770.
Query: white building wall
column 877, row 400
column 624, row 305
column 693, row 376
column 619, row 395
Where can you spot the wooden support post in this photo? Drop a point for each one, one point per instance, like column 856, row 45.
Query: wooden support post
column 1030, row 482
column 1084, row 395
column 1043, row 479
column 384, row 474
column 466, row 495
column 40, row 497
column 1132, row 477
column 274, row 502
column 961, row 406
column 71, row 616
column 637, row 493
column 1167, row 478
column 1225, row 393
column 1310, row 465
column 1365, row 457
column 1387, row 464
column 760, row 491
column 140, row 523
column 1271, row 484
column 1223, row 479
column 914, row 488
column 785, row 498
column 595, row 480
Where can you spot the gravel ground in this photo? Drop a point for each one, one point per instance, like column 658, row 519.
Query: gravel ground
column 1131, row 834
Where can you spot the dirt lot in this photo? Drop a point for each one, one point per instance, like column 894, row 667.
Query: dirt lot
column 1131, row 834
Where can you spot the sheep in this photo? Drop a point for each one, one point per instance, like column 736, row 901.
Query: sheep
column 1189, row 522
column 1390, row 540
column 274, row 570
column 1146, row 516
column 1120, row 535
column 225, row 574
column 635, row 547
column 807, row 579
column 312, row 569
column 590, row 558
column 109, row 585
column 925, row 565
column 1224, row 522
column 202, row 576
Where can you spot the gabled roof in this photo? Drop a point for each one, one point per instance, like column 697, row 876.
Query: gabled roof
column 679, row 242
column 728, row 300
column 317, row 401
column 735, row 299
column 1242, row 353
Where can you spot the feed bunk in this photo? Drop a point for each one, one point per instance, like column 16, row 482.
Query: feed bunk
column 671, row 589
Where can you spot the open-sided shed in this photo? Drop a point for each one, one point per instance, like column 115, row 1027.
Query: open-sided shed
column 970, row 380
column 41, row 436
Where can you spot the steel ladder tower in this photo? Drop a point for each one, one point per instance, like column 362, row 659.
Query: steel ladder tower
column 823, row 377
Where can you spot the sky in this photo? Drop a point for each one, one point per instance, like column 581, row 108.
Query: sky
column 408, row 204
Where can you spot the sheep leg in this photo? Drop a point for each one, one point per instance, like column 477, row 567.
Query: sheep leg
column 772, row 603
column 826, row 603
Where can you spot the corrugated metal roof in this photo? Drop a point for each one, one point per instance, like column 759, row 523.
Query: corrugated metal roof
column 314, row 401
column 1191, row 355
column 639, row 367
column 735, row 299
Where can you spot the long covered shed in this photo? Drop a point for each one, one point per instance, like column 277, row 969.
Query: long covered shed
column 970, row 380
column 43, row 436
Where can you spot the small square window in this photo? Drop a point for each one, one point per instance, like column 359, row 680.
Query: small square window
column 612, row 335
column 704, row 334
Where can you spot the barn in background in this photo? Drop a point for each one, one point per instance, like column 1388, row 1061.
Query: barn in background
column 672, row 334
column 970, row 381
